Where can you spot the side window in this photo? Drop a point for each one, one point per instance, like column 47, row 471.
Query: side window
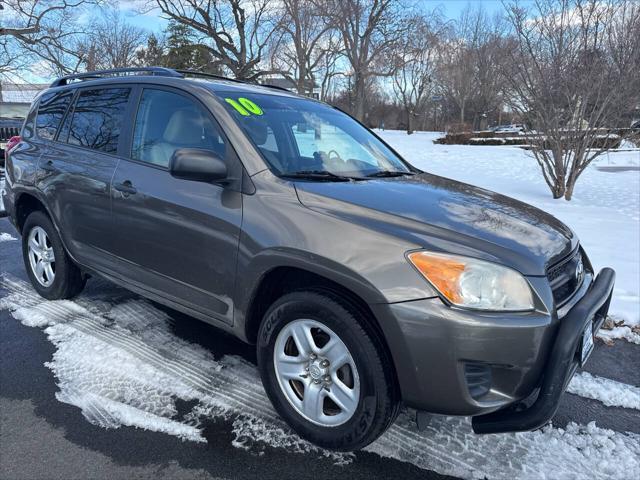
column 50, row 112
column 167, row 121
column 28, row 128
column 97, row 117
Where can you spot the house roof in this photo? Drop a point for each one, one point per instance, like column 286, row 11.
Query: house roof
column 286, row 83
column 20, row 93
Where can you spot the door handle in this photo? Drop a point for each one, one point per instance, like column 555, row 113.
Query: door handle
column 126, row 188
column 48, row 167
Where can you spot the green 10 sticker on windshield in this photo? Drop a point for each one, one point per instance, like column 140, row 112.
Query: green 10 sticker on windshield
column 244, row 106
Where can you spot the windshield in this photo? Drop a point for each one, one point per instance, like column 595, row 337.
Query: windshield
column 298, row 136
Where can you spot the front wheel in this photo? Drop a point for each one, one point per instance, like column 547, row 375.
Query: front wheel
column 326, row 373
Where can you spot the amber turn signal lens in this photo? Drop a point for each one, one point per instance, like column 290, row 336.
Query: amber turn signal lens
column 443, row 272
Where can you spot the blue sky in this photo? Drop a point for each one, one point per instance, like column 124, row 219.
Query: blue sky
column 450, row 8
column 453, row 8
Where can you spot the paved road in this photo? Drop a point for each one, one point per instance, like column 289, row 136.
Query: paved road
column 41, row 437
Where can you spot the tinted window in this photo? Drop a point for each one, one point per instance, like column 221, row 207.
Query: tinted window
column 97, row 118
column 167, row 121
column 50, row 112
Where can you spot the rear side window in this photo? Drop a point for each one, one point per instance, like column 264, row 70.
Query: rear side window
column 167, row 121
column 50, row 113
column 28, row 126
column 97, row 117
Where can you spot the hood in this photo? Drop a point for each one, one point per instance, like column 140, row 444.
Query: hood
column 445, row 215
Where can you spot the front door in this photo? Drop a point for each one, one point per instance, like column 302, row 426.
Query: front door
column 177, row 238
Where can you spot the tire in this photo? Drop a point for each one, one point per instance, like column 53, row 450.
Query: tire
column 64, row 280
column 371, row 402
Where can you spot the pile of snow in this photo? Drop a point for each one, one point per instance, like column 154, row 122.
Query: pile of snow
column 5, row 237
column 605, row 210
column 118, row 361
column 609, row 392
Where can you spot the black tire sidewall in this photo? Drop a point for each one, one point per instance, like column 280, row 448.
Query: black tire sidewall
column 60, row 286
column 360, row 429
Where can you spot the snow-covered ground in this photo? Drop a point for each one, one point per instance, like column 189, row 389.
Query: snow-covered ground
column 605, row 210
column 118, row 360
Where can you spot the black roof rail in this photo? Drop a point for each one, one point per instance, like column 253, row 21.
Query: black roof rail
column 158, row 71
column 116, row 72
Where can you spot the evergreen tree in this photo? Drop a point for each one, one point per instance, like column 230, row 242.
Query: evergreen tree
column 152, row 54
column 183, row 52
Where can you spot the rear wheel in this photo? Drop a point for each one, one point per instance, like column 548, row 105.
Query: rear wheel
column 52, row 273
column 325, row 372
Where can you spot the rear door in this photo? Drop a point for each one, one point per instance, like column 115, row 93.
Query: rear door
column 77, row 167
column 176, row 238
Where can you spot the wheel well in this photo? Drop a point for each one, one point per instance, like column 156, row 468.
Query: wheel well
column 25, row 205
column 282, row 280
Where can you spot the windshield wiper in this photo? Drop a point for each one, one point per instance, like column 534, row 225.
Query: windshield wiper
column 388, row 174
column 322, row 175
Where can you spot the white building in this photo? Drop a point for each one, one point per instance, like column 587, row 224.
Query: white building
column 16, row 98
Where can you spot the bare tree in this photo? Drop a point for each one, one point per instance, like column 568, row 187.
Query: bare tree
column 328, row 68
column 237, row 32
column 455, row 69
column 370, row 29
column 488, row 54
column 111, row 43
column 44, row 30
column 413, row 80
column 574, row 75
column 303, row 30
column 469, row 67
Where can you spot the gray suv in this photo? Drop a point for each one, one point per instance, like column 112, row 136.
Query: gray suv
column 364, row 282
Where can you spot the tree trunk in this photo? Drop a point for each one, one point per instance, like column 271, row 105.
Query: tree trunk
column 301, row 80
column 409, row 122
column 558, row 188
column 359, row 93
column 462, row 112
column 571, row 183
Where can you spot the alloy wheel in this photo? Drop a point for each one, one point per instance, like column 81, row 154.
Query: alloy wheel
column 316, row 373
column 41, row 256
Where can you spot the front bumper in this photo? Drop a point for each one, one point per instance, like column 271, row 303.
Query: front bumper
column 445, row 356
column 561, row 365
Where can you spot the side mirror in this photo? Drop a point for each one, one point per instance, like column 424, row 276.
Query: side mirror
column 198, row 165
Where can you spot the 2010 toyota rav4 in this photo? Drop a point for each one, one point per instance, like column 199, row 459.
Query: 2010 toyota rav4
column 364, row 282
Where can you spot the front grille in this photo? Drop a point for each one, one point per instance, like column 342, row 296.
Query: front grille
column 478, row 377
column 566, row 277
column 7, row 132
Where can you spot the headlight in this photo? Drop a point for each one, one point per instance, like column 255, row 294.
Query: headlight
column 472, row 283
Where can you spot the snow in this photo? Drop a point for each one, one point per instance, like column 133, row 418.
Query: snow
column 5, row 237
column 620, row 332
column 117, row 359
column 609, row 392
column 605, row 210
